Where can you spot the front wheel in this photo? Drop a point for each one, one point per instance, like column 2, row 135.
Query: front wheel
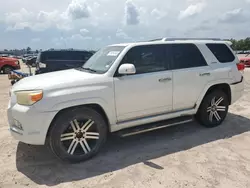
column 7, row 69
column 213, row 109
column 77, row 134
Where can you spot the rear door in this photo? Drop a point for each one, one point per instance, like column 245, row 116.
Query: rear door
column 191, row 73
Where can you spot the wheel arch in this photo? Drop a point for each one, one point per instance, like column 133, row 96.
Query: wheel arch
column 6, row 65
column 94, row 106
column 225, row 87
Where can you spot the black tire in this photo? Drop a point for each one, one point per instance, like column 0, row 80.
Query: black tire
column 62, row 125
column 7, row 69
column 203, row 115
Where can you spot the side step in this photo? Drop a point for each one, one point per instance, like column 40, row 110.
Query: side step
column 154, row 126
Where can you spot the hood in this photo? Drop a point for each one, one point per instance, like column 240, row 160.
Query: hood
column 54, row 80
column 9, row 59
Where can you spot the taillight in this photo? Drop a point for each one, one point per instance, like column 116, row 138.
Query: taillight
column 241, row 66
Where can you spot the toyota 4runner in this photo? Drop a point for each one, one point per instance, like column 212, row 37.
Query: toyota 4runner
column 128, row 89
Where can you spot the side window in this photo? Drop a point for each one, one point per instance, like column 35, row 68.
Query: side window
column 147, row 59
column 187, row 56
column 221, row 52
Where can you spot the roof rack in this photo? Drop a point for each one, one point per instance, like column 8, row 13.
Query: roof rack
column 170, row 39
column 173, row 39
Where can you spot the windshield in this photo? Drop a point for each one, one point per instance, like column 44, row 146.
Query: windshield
column 102, row 60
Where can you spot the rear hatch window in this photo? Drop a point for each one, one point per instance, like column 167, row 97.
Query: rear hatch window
column 221, row 52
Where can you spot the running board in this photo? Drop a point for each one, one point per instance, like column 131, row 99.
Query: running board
column 154, row 126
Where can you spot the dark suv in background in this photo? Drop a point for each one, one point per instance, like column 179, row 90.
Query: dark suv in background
column 55, row 60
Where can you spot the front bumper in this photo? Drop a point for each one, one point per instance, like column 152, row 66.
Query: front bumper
column 32, row 124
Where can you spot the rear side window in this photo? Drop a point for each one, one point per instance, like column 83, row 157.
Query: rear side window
column 221, row 52
column 187, row 56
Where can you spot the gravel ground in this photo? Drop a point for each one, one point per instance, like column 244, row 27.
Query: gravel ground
column 182, row 156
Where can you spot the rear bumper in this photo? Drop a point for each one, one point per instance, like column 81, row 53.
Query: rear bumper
column 237, row 90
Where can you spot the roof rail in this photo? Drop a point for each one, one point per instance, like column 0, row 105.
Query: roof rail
column 173, row 39
column 170, row 39
column 160, row 39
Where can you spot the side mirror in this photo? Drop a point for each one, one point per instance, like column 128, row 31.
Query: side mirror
column 126, row 69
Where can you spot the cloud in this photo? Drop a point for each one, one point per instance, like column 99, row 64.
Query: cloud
column 233, row 16
column 20, row 16
column 87, row 38
column 35, row 40
column 43, row 20
column 78, row 9
column 118, row 21
column 121, row 34
column 131, row 13
column 192, row 10
column 37, row 22
column 84, row 31
column 158, row 14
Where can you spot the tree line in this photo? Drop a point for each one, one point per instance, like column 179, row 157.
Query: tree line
column 241, row 45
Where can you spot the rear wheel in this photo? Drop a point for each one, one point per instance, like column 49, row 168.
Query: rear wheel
column 78, row 134
column 213, row 109
column 7, row 69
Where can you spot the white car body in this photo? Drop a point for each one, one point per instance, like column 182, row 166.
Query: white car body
column 127, row 101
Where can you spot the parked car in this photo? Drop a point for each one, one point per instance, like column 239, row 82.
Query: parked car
column 245, row 60
column 8, row 64
column 55, row 60
column 31, row 61
column 127, row 89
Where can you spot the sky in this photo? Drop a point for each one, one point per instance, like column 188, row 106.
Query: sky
column 92, row 24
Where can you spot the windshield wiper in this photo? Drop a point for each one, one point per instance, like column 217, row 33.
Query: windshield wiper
column 88, row 69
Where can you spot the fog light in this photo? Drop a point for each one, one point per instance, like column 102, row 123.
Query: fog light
column 18, row 125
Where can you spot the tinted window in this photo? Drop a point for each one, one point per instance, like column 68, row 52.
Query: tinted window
column 147, row 58
column 64, row 55
column 187, row 56
column 221, row 52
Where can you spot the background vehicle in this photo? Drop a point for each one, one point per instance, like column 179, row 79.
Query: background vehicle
column 127, row 89
column 245, row 59
column 31, row 61
column 55, row 60
column 8, row 64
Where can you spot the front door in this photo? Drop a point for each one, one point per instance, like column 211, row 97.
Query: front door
column 149, row 91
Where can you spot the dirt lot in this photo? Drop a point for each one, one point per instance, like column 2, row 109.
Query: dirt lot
column 182, row 156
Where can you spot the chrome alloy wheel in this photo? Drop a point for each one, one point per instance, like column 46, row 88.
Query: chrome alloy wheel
column 217, row 109
column 80, row 137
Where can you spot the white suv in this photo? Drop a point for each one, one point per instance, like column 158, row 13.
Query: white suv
column 129, row 89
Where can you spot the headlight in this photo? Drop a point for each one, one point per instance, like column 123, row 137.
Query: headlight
column 17, row 62
column 42, row 65
column 28, row 97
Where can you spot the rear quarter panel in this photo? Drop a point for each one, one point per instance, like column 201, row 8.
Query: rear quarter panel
column 220, row 72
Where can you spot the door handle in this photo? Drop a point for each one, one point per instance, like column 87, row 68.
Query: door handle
column 205, row 74
column 165, row 79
